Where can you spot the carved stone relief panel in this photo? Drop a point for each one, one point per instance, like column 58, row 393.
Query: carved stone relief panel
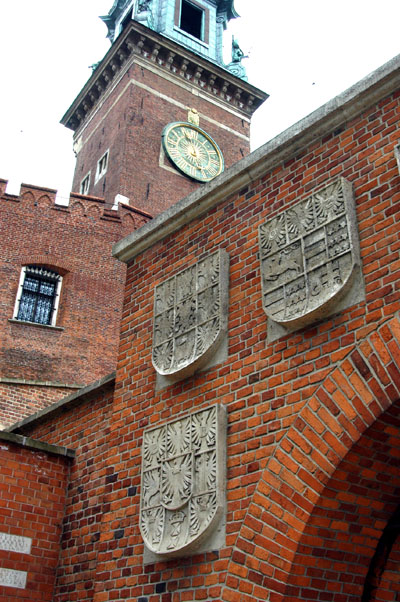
column 12, row 578
column 15, row 543
column 310, row 261
column 183, row 482
column 190, row 316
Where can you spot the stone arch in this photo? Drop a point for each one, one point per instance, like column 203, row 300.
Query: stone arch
column 285, row 528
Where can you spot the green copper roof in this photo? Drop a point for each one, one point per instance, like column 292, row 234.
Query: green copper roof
column 166, row 18
column 228, row 6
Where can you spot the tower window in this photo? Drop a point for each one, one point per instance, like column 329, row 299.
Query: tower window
column 192, row 19
column 84, row 188
column 102, row 166
column 38, row 295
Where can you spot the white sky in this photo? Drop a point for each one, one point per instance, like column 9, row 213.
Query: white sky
column 301, row 52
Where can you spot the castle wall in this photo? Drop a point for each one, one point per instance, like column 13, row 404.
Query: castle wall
column 266, row 386
column 24, row 398
column 83, row 424
column 312, row 437
column 33, row 483
column 76, row 242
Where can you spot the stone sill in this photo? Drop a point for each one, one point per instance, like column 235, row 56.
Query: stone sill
column 192, row 38
column 25, row 323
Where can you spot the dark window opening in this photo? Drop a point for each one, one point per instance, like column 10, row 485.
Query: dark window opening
column 101, row 167
column 84, row 189
column 191, row 19
column 38, row 296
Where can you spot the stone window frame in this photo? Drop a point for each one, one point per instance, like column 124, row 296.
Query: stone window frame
column 102, row 165
column 205, row 25
column 42, row 273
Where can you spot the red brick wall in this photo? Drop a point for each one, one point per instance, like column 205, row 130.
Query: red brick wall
column 18, row 401
column 264, row 386
column 336, row 549
column 77, row 243
column 388, row 580
column 92, row 491
column 313, row 441
column 130, row 124
column 33, row 487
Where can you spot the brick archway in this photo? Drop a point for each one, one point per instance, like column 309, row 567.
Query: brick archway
column 329, row 489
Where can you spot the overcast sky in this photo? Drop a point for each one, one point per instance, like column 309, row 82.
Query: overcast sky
column 301, row 52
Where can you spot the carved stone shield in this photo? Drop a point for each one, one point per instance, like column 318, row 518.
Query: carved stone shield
column 309, row 255
column 183, row 481
column 190, row 316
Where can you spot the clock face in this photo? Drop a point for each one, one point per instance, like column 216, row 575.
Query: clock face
column 192, row 151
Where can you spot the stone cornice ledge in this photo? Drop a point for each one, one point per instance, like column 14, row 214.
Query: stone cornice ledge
column 169, row 56
column 339, row 110
column 34, row 444
column 63, row 405
column 38, row 383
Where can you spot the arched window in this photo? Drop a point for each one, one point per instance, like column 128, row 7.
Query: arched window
column 38, row 295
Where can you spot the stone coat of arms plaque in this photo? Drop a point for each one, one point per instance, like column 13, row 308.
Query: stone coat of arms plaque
column 183, row 482
column 309, row 257
column 190, row 316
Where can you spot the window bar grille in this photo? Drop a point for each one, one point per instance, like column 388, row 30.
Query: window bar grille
column 38, row 301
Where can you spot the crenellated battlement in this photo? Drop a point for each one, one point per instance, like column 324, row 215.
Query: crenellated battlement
column 77, row 206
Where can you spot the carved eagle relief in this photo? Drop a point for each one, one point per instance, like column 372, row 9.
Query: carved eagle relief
column 182, row 484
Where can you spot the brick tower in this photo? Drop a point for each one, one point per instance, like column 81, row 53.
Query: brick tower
column 164, row 66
